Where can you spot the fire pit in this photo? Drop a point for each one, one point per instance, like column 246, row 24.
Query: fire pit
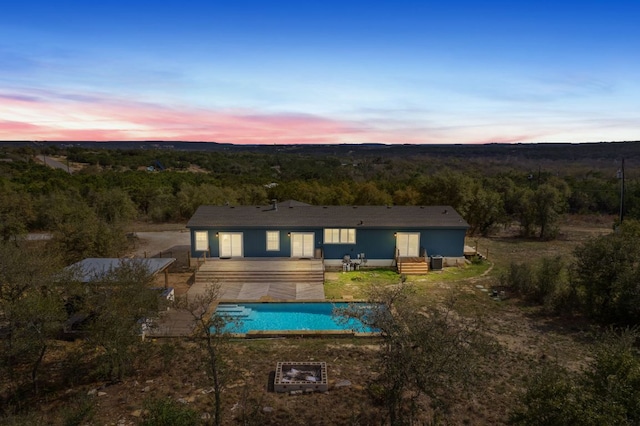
column 305, row 376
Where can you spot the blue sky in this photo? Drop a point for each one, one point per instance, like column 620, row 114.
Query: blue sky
column 320, row 71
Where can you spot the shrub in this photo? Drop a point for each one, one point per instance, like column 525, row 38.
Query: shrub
column 167, row 412
column 79, row 412
column 519, row 278
column 606, row 392
column 545, row 284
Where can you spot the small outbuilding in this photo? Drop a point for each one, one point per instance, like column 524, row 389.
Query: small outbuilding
column 91, row 268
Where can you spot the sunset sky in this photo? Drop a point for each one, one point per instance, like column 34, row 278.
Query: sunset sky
column 306, row 71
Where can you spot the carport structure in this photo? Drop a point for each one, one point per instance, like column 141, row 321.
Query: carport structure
column 92, row 268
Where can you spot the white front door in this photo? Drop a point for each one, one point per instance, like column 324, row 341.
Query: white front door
column 302, row 244
column 230, row 244
column 408, row 244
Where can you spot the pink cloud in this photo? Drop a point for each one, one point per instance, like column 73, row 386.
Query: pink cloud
column 9, row 127
column 54, row 116
column 115, row 119
column 509, row 139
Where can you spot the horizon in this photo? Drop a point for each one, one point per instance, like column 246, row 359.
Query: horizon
column 264, row 145
column 285, row 73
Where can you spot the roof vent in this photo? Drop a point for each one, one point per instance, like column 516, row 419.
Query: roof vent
column 445, row 211
column 274, row 204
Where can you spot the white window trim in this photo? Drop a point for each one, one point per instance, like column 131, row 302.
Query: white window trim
column 340, row 235
column 201, row 244
column 276, row 242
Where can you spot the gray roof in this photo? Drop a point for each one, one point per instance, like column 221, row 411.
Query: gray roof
column 92, row 268
column 307, row 216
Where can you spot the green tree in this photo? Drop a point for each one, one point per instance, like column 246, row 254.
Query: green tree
column 485, row 211
column 118, row 302
column 83, row 235
column 212, row 334
column 144, row 195
column 16, row 211
column 53, row 208
column 165, row 207
column 340, row 194
column 613, row 378
column 521, row 204
column 190, row 197
column 77, row 230
column 251, row 195
column 427, row 352
column 546, row 283
column 606, row 270
column 114, row 206
column 448, row 188
column 548, row 202
column 368, row 194
column 31, row 308
column 551, row 398
column 408, row 196
column 36, row 319
column 606, row 392
column 593, row 193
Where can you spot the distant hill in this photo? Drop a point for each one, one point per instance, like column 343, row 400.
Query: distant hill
column 550, row 151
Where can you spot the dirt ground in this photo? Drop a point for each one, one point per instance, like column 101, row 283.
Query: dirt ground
column 153, row 243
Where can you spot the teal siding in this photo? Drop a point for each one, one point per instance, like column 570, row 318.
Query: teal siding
column 443, row 242
column 381, row 243
column 374, row 243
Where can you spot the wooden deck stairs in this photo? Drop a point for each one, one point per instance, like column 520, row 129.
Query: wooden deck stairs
column 412, row 265
column 249, row 278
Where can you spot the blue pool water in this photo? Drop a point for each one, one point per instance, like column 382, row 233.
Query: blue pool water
column 312, row 316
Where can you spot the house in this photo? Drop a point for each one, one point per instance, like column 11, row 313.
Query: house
column 381, row 235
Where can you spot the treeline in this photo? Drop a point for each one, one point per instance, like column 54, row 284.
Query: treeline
column 115, row 188
column 39, row 299
column 606, row 391
column 600, row 281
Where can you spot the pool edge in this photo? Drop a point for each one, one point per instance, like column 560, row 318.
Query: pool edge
column 261, row 334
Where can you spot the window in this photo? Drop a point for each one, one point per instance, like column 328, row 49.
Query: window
column 340, row 236
column 273, row 240
column 202, row 240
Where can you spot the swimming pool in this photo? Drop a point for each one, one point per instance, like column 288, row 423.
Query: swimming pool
column 310, row 316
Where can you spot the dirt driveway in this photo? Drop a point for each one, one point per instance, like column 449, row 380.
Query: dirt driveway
column 167, row 244
column 152, row 244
